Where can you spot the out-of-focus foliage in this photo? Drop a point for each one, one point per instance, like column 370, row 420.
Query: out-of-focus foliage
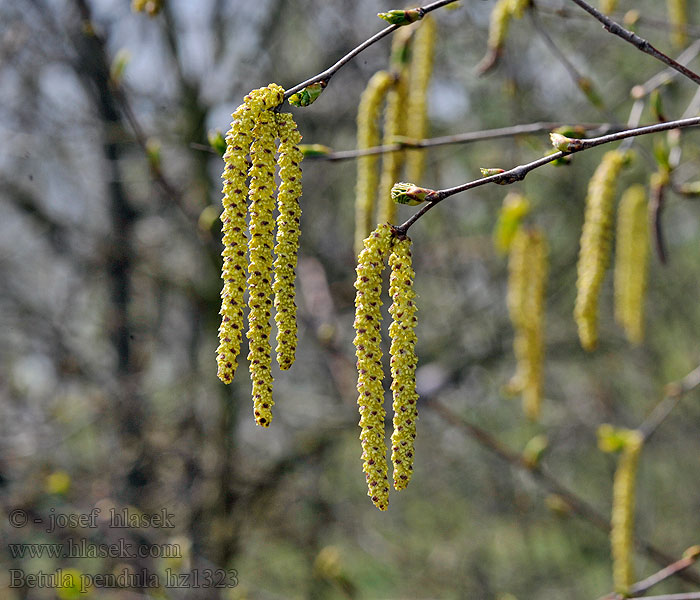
column 110, row 261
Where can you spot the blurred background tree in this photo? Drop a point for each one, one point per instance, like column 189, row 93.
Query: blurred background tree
column 109, row 258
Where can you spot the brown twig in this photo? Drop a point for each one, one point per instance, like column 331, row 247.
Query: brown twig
column 565, row 13
column 640, row 43
column 461, row 138
column 688, row 596
column 326, row 75
column 662, row 575
column 584, row 84
column 518, row 173
column 673, row 393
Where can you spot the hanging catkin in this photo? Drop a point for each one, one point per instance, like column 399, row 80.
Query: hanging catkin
column 403, row 361
column 416, row 103
column 527, row 280
column 631, row 262
column 368, row 136
column 370, row 400
column 608, row 6
column 262, row 206
column 287, row 239
column 394, row 123
column 678, row 18
column 515, row 207
column 622, row 520
column 594, row 253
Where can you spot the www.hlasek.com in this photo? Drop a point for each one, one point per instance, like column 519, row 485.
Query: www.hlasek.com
column 84, row 549
column 126, row 579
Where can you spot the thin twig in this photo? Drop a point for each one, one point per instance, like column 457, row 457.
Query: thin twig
column 680, row 565
column 584, row 84
column 666, row 75
column 518, row 173
column 460, row 138
column 578, row 505
column 640, row 43
column 674, row 392
column 565, row 13
column 325, row 76
column 688, row 596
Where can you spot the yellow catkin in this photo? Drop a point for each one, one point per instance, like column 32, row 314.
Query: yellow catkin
column 416, row 102
column 403, row 361
column 392, row 162
column 678, row 17
column 233, row 218
column 262, row 206
column 631, row 261
column 608, row 6
column 368, row 136
column 150, row 7
column 515, row 207
column 622, row 520
column 287, row 241
column 370, row 400
column 526, row 291
column 394, row 122
column 594, row 253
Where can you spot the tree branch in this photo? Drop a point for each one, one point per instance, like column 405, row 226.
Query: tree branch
column 326, row 75
column 460, row 138
column 518, row 173
column 640, row 43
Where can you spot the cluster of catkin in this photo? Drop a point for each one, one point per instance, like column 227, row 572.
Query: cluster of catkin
column 249, row 189
column 404, row 88
column 380, row 247
column 527, row 280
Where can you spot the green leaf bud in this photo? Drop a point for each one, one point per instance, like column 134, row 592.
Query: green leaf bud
column 217, row 141
column 565, row 144
column 314, row 150
column 409, row 193
column 308, row 95
column 402, row 17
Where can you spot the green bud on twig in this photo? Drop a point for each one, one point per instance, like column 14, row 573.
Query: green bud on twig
column 217, row 142
column 611, row 439
column 690, row 189
column 488, row 172
column 562, row 160
column 657, row 106
column 409, row 193
column 153, row 153
column 308, row 95
column 534, row 449
column 565, row 144
column 402, row 17
column 118, row 66
column 314, row 150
